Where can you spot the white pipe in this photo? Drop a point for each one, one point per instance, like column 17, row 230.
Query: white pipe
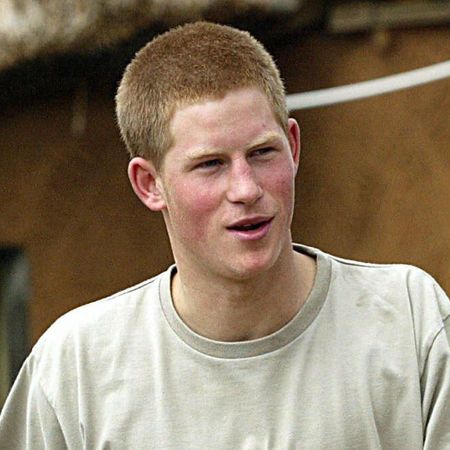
column 364, row 89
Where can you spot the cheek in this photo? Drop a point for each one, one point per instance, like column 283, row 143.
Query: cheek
column 283, row 183
column 192, row 210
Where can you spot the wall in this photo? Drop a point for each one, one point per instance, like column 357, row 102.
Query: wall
column 373, row 181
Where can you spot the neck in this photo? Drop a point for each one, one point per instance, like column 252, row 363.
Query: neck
column 238, row 310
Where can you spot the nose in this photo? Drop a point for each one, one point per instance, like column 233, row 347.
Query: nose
column 243, row 185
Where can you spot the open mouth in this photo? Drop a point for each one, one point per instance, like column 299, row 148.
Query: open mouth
column 251, row 226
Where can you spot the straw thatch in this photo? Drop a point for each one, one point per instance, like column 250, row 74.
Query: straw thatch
column 32, row 28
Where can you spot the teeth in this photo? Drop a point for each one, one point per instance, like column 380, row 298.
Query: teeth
column 249, row 227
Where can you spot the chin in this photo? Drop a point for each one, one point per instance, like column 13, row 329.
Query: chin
column 248, row 268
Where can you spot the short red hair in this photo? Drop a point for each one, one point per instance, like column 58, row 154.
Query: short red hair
column 183, row 66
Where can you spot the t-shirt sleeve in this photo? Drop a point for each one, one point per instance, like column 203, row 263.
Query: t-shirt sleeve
column 435, row 382
column 28, row 421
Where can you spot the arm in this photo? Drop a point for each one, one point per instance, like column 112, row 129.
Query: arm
column 435, row 384
column 28, row 420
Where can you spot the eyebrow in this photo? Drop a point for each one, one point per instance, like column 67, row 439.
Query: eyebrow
column 203, row 152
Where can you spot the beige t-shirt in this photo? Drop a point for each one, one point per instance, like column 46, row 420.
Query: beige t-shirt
column 365, row 364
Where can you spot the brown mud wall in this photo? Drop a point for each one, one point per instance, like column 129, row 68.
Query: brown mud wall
column 373, row 181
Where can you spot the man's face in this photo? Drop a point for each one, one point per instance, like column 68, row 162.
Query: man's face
column 228, row 186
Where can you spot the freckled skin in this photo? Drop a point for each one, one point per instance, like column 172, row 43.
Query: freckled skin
column 247, row 167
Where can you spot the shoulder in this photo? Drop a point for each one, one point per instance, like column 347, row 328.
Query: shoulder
column 410, row 293
column 415, row 283
column 381, row 277
column 106, row 313
column 405, row 289
column 91, row 335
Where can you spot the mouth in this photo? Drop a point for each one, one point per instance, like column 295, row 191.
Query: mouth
column 254, row 228
column 250, row 226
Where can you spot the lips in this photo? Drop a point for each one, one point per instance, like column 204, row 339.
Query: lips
column 250, row 224
column 251, row 229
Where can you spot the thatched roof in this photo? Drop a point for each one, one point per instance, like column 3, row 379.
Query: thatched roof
column 33, row 28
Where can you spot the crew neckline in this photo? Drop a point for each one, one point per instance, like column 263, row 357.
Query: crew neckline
column 256, row 347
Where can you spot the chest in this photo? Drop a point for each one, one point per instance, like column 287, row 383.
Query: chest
column 318, row 395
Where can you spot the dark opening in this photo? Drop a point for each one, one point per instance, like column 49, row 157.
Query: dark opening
column 14, row 297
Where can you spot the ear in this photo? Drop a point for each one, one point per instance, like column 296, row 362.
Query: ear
column 294, row 141
column 146, row 183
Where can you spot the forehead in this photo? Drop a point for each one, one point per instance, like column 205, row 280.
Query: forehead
column 233, row 121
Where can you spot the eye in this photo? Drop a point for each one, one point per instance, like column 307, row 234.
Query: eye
column 264, row 151
column 209, row 164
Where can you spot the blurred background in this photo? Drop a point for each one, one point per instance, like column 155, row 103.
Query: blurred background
column 373, row 183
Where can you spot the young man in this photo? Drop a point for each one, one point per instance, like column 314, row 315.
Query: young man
column 248, row 341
